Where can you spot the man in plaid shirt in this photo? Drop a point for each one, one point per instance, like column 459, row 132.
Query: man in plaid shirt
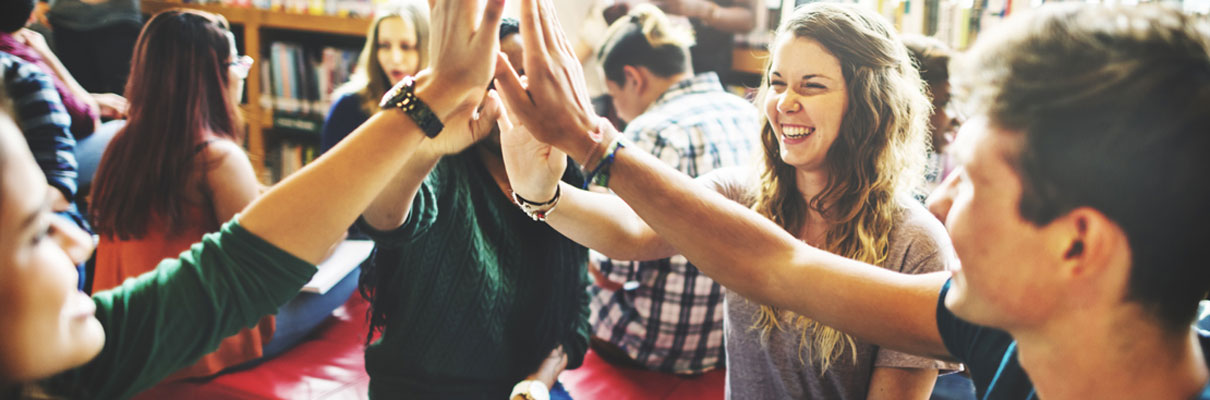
column 665, row 315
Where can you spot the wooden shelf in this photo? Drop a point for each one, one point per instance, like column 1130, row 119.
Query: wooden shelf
column 351, row 26
column 254, row 21
column 749, row 60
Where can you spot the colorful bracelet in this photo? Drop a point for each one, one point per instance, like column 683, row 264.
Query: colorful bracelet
column 600, row 175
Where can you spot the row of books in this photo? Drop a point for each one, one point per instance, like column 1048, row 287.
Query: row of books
column 287, row 157
column 298, row 82
column 344, row 8
column 952, row 21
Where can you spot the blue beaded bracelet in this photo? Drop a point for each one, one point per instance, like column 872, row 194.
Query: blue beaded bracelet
column 600, row 174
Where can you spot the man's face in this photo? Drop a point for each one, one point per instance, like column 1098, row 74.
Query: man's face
column 1009, row 276
column 627, row 99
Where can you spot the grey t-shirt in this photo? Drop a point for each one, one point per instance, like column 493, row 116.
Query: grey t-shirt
column 777, row 369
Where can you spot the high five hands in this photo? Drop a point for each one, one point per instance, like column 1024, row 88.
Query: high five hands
column 462, row 58
column 553, row 103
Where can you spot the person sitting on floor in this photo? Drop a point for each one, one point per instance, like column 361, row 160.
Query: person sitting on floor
column 1078, row 214
column 451, row 243
column 843, row 136
column 671, row 317
column 59, row 343
column 177, row 170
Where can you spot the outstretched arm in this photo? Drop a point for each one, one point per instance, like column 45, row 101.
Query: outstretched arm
column 309, row 211
column 733, row 245
column 599, row 221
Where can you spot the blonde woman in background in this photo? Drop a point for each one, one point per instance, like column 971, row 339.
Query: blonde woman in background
column 395, row 48
column 844, row 138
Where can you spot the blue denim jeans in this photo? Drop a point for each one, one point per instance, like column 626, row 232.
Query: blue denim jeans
column 559, row 392
column 296, row 319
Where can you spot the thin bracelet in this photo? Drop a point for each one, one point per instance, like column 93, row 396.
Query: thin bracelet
column 600, row 174
column 584, row 169
column 603, row 177
column 538, row 211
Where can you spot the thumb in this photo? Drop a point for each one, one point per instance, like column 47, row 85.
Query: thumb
column 504, row 121
column 487, row 115
column 510, row 86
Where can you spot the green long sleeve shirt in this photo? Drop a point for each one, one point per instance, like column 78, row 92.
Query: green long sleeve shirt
column 166, row 319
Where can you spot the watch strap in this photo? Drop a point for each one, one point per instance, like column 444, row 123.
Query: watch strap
column 403, row 96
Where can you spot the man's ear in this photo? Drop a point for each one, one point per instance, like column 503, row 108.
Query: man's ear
column 634, row 77
column 1093, row 241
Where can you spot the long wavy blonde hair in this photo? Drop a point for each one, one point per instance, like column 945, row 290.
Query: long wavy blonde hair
column 369, row 81
column 877, row 159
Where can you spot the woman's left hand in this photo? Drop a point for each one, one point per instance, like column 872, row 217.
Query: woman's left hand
column 533, row 167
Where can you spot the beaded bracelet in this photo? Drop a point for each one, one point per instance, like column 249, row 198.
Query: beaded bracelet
column 600, row 174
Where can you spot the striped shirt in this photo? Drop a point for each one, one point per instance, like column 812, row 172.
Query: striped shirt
column 669, row 316
column 40, row 114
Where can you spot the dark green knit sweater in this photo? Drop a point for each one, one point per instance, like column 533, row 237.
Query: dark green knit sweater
column 475, row 294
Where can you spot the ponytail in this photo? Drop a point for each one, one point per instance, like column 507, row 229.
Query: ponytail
column 645, row 37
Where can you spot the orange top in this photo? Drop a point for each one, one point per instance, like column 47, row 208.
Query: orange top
column 118, row 260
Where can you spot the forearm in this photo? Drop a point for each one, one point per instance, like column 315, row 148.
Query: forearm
column 737, row 19
column 757, row 259
column 311, row 209
column 901, row 383
column 606, row 224
column 390, row 209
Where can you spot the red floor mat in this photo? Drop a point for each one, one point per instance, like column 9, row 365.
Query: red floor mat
column 330, row 366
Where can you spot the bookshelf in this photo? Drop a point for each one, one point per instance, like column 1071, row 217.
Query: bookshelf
column 254, row 23
column 264, row 22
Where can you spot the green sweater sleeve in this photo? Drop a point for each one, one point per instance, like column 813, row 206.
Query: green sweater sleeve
column 166, row 319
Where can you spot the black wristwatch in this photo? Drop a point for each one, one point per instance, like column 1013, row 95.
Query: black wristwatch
column 403, row 97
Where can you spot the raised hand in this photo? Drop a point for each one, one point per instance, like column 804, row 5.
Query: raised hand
column 554, row 106
column 533, row 167
column 462, row 61
column 551, row 367
column 465, row 129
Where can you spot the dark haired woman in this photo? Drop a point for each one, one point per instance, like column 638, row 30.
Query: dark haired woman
column 177, row 170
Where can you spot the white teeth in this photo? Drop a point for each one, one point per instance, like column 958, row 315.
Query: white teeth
column 796, row 132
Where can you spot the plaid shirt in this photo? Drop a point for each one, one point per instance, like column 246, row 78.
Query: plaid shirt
column 669, row 316
column 40, row 114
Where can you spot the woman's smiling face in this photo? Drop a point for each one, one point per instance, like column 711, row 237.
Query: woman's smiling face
column 806, row 100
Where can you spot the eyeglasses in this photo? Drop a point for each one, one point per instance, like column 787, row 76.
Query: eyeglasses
column 241, row 66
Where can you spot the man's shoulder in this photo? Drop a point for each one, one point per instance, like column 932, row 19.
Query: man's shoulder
column 695, row 109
